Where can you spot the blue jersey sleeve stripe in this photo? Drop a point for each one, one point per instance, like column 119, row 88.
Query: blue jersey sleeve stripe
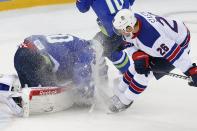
column 177, row 56
column 185, row 43
column 174, row 54
column 171, row 51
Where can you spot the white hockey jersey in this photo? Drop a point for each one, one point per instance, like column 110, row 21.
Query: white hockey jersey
column 161, row 37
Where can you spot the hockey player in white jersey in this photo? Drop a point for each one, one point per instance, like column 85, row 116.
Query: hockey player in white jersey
column 159, row 45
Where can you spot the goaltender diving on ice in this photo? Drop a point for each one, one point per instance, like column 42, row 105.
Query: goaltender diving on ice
column 52, row 61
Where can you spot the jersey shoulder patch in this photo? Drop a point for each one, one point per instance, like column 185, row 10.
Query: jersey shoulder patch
column 148, row 34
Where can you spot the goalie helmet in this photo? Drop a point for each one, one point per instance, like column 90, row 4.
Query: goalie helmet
column 124, row 21
column 9, row 82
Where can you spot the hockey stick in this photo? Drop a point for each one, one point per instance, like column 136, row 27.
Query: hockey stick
column 175, row 75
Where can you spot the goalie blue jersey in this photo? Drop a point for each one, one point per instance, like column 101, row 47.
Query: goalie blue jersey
column 71, row 56
column 105, row 10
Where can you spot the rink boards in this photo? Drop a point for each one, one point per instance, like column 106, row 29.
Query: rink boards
column 15, row 4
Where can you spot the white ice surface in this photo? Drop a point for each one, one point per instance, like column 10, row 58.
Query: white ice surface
column 167, row 105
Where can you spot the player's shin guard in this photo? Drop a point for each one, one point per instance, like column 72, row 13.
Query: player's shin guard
column 127, row 91
column 136, row 86
column 119, row 101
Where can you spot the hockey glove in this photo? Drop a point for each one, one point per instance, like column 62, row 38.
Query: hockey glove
column 141, row 62
column 192, row 72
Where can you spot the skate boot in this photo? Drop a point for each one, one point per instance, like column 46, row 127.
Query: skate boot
column 117, row 105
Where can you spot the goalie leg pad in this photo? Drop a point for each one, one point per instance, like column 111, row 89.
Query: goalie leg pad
column 46, row 99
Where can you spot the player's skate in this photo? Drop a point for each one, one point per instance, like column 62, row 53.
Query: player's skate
column 117, row 105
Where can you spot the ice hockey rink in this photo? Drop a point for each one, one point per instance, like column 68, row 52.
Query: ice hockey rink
column 166, row 105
